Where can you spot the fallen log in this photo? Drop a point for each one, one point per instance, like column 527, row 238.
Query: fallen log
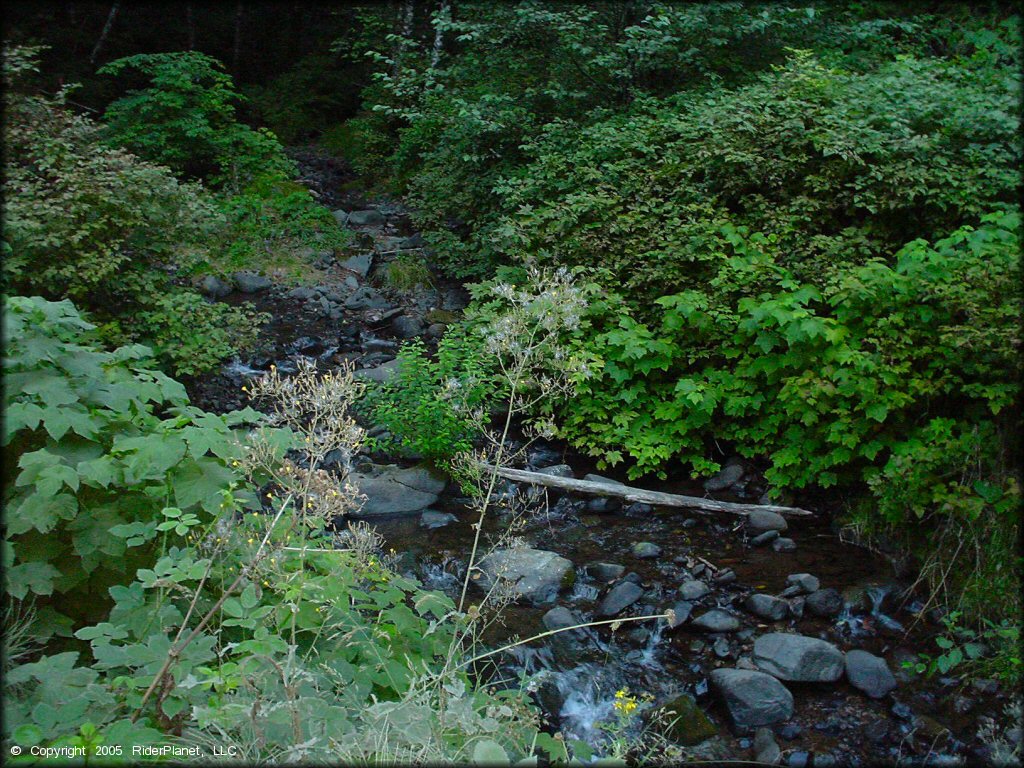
column 657, row 498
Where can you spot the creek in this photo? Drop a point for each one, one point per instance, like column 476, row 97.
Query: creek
column 575, row 675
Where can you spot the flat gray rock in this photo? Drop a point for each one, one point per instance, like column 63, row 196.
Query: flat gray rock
column 533, row 574
column 367, row 218
column 645, row 550
column 560, row 617
column 869, row 674
column 605, row 572
column 798, row 658
column 393, row 490
column 805, row 582
column 681, row 613
column 359, row 264
column 432, row 519
column 381, row 374
column 752, row 698
column 618, row 599
column 693, row 590
column 825, row 603
column 716, row 621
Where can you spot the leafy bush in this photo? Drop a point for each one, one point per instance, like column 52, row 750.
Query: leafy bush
column 428, row 406
column 236, row 618
column 97, row 443
column 101, row 227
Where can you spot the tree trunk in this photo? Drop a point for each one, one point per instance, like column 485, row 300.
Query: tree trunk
column 443, row 15
column 106, row 31
column 657, row 498
column 404, row 31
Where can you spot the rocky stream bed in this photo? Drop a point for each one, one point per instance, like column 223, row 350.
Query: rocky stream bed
column 788, row 643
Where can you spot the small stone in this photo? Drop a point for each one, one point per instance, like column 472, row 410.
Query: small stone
column 805, row 581
column 721, row 648
column 693, row 590
column 790, row 732
column 727, row 576
column 752, row 698
column 368, row 218
column 406, row 327
column 716, row 621
column 602, row 505
column 798, row 760
column 761, row 520
column 645, row 550
column 825, row 603
column 901, row 711
column 764, row 538
column 727, row 476
column 784, row 545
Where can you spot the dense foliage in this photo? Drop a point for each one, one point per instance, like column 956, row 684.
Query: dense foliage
column 119, row 487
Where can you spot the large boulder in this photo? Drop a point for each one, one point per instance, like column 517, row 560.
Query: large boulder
column 367, row 218
column 798, row 658
column 869, row 674
column 534, row 574
column 214, row 287
column 761, row 520
column 618, row 599
column 752, row 698
column 392, row 490
column 249, row 282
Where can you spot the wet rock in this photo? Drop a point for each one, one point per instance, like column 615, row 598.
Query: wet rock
column 382, row 373
column 767, row 607
column 798, row 760
column 693, row 590
column 716, row 621
column 533, row 574
column 726, row 477
column 214, row 287
column 366, row 298
column 764, row 538
column 431, row 519
column 805, row 582
column 798, row 658
column 560, row 617
column 796, row 607
column 784, row 545
column 761, row 520
column 825, row 603
column 359, row 264
column 603, row 505
column 645, row 550
column 406, row 327
column 639, row 509
column 765, row 749
column 393, row 490
column 302, row 293
column 685, row 722
column 605, row 572
column 559, row 470
column 901, row 711
column 752, row 698
column 790, row 732
column 341, row 217
column 436, row 330
column 367, row 218
column 249, row 282
column 680, row 614
column 869, row 674
column 618, row 599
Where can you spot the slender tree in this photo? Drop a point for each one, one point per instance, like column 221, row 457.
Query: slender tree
column 443, row 15
column 106, row 31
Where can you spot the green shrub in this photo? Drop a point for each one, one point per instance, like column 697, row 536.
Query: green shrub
column 186, row 119
column 428, row 407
